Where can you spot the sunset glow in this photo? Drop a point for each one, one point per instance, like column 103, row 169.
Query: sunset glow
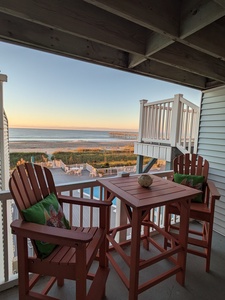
column 49, row 91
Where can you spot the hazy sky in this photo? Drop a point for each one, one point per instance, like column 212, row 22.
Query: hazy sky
column 51, row 91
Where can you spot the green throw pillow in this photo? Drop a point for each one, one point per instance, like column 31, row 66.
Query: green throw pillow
column 193, row 181
column 46, row 212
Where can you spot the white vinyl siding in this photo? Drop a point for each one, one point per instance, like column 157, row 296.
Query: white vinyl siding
column 211, row 145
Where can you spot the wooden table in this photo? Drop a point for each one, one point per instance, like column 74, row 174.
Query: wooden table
column 137, row 202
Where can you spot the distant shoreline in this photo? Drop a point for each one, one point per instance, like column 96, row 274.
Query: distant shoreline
column 54, row 146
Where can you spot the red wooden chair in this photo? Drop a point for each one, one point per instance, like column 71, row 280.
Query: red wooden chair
column 76, row 249
column 199, row 243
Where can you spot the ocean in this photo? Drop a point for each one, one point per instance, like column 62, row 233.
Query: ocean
column 31, row 134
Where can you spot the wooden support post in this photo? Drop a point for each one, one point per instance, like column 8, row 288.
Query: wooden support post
column 139, row 164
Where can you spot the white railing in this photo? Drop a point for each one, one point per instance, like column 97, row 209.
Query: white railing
column 79, row 217
column 115, row 170
column 172, row 122
column 94, row 172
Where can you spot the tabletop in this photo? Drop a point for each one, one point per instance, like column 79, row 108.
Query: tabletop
column 161, row 192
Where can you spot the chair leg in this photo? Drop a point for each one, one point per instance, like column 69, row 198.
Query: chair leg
column 146, row 233
column 60, row 281
column 103, row 259
column 81, row 272
column 166, row 226
column 23, row 267
column 104, row 247
column 208, row 233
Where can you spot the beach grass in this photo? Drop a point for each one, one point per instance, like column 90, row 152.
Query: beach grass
column 21, row 157
column 98, row 157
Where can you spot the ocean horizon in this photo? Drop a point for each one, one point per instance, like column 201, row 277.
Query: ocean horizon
column 69, row 135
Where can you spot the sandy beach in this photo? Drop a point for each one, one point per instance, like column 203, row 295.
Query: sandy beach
column 54, row 146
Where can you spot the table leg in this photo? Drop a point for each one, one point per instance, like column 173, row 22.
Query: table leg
column 183, row 239
column 135, row 254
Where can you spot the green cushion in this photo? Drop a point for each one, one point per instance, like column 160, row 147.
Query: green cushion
column 194, row 181
column 46, row 212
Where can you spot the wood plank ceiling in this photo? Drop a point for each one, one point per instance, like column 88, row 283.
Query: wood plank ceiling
column 180, row 41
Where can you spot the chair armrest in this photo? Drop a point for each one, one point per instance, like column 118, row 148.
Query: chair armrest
column 83, row 201
column 211, row 195
column 213, row 190
column 50, row 234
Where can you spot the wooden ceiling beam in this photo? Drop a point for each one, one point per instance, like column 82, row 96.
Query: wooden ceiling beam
column 53, row 41
column 166, row 17
column 157, row 15
column 169, row 73
column 135, row 60
column 161, row 39
column 80, row 19
column 210, row 40
column 220, row 2
column 195, row 15
column 155, row 42
column 191, row 60
column 40, row 37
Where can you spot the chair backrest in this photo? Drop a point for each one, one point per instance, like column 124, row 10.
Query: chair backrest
column 29, row 184
column 191, row 164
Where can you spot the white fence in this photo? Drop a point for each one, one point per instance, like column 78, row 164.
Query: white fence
column 172, row 122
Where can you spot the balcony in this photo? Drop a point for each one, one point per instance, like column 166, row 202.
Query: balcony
column 199, row 284
column 166, row 125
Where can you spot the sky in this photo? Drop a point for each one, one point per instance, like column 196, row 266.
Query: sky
column 51, row 91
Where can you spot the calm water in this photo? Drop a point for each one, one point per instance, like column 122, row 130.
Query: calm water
column 25, row 134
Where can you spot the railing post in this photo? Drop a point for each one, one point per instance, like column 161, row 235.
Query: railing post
column 142, row 124
column 175, row 122
column 4, row 156
column 141, row 119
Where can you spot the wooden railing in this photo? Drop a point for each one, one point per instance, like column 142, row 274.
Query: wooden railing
column 172, row 122
column 79, row 217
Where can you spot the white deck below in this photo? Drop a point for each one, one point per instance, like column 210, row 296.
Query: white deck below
column 152, row 150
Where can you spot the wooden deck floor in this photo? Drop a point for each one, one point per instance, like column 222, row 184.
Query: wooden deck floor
column 199, row 284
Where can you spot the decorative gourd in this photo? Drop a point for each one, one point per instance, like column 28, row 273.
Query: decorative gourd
column 145, row 180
